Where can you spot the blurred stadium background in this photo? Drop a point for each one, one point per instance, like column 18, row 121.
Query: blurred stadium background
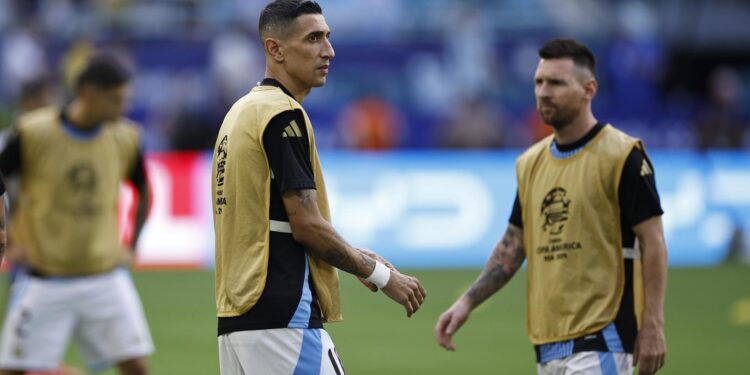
column 426, row 107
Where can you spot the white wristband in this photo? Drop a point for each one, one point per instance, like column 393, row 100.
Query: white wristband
column 380, row 275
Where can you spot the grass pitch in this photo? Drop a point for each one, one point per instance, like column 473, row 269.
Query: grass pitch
column 707, row 323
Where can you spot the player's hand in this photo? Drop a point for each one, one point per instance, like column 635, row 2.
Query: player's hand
column 451, row 320
column 405, row 290
column 650, row 350
column 377, row 257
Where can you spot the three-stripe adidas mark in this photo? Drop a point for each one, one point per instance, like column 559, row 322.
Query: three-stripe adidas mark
column 292, row 130
column 646, row 169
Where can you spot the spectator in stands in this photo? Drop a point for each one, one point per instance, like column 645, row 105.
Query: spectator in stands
column 473, row 124
column 371, row 123
column 722, row 124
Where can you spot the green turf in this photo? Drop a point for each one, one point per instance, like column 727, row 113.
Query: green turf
column 377, row 338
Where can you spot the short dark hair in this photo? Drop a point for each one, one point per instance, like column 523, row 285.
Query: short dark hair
column 569, row 48
column 279, row 14
column 34, row 87
column 103, row 71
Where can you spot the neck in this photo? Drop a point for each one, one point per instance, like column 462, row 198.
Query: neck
column 575, row 129
column 298, row 89
column 79, row 117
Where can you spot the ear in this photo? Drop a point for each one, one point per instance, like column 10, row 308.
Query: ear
column 590, row 87
column 274, row 49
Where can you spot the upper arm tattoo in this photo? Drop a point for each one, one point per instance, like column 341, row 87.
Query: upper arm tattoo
column 307, row 198
column 506, row 259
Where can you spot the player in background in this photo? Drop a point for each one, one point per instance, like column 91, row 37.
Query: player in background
column 276, row 251
column 587, row 218
column 71, row 162
column 35, row 94
column 3, row 233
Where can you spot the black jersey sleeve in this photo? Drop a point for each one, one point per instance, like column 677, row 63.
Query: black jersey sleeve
column 10, row 156
column 138, row 174
column 639, row 199
column 288, row 150
column 515, row 216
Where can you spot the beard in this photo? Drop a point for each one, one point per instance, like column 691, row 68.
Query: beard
column 556, row 116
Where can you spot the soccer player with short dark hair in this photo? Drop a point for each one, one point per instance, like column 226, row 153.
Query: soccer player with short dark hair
column 71, row 162
column 587, row 218
column 276, row 251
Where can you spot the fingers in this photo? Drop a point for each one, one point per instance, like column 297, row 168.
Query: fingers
column 411, row 307
column 369, row 285
column 422, row 292
column 417, row 294
column 444, row 338
column 454, row 325
column 662, row 360
column 650, row 363
column 406, row 291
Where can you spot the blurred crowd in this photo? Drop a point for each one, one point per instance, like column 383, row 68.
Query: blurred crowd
column 407, row 73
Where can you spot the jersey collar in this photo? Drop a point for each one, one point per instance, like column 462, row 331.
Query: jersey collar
column 581, row 142
column 76, row 132
column 275, row 83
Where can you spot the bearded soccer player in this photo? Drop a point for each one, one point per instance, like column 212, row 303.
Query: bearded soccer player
column 587, row 218
column 71, row 162
column 276, row 251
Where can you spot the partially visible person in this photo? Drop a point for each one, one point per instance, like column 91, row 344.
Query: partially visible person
column 71, row 162
column 34, row 94
column 587, row 218
column 473, row 125
column 3, row 233
column 722, row 124
column 277, row 253
column 371, row 123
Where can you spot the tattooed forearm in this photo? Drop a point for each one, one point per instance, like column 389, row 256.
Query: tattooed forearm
column 368, row 262
column 359, row 265
column 502, row 265
column 338, row 259
column 311, row 230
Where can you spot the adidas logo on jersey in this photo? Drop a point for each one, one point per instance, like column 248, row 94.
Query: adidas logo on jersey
column 292, row 130
column 646, row 169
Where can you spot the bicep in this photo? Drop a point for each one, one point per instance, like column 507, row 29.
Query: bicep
column 649, row 232
column 510, row 249
column 301, row 206
column 514, row 235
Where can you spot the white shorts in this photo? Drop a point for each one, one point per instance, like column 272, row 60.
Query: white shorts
column 283, row 351
column 589, row 363
column 103, row 313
